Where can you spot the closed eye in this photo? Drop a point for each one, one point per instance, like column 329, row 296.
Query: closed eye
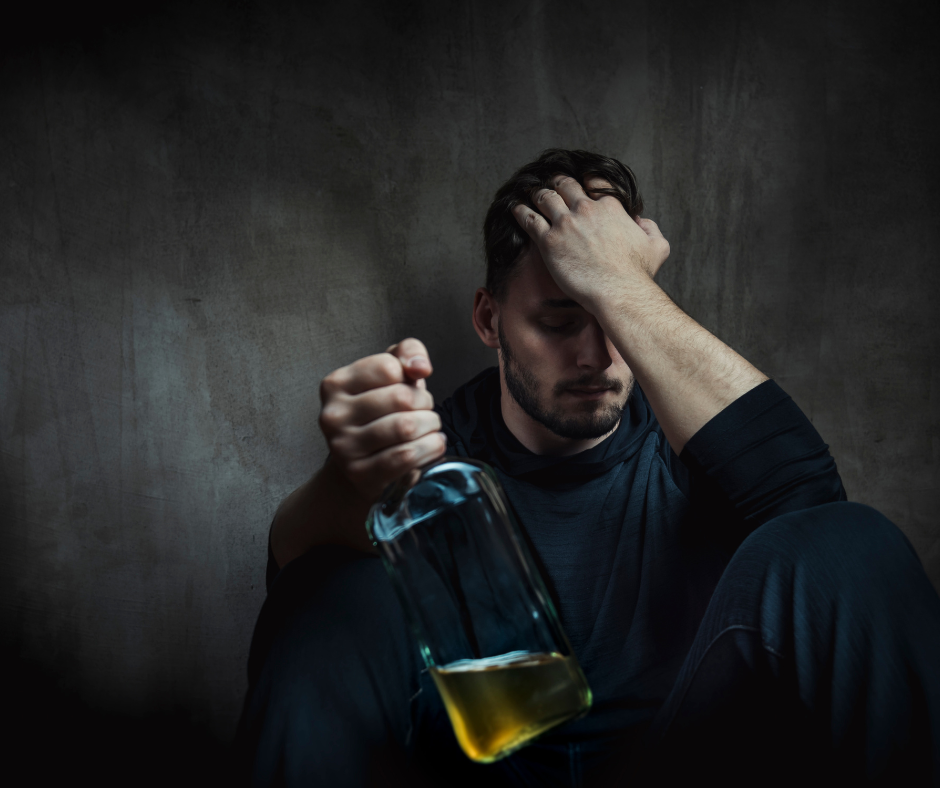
column 564, row 327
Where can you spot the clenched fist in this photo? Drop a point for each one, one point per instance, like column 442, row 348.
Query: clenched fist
column 378, row 420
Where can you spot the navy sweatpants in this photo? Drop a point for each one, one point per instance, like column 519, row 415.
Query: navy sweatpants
column 817, row 661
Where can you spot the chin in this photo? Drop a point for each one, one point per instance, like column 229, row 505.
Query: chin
column 586, row 423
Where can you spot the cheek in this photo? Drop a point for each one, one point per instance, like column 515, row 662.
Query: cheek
column 536, row 345
column 618, row 366
column 614, row 354
column 557, row 355
column 546, row 358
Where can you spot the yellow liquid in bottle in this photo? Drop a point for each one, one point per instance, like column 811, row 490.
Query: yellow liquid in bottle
column 498, row 704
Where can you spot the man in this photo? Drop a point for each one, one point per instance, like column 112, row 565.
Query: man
column 734, row 615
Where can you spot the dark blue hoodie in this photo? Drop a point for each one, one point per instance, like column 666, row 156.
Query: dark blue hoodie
column 632, row 539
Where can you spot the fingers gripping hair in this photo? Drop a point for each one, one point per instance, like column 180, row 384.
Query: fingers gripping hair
column 505, row 241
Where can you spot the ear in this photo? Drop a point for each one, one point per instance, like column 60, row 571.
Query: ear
column 485, row 317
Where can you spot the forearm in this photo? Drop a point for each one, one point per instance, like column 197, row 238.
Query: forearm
column 325, row 510
column 687, row 374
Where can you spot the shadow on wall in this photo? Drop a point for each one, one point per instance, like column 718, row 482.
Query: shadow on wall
column 56, row 738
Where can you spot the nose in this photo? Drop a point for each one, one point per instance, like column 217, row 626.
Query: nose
column 593, row 355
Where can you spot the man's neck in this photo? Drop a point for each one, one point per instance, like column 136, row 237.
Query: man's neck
column 536, row 437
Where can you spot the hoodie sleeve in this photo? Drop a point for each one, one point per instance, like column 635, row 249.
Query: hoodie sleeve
column 761, row 458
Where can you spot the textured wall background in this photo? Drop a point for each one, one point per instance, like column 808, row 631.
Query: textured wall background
column 205, row 208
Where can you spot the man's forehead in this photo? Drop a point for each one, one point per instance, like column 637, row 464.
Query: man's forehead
column 533, row 286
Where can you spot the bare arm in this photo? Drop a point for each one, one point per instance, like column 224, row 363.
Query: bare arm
column 379, row 424
column 605, row 261
column 688, row 374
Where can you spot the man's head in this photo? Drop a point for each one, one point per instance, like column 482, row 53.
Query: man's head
column 505, row 242
column 557, row 365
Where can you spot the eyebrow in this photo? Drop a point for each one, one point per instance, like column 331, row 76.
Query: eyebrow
column 559, row 303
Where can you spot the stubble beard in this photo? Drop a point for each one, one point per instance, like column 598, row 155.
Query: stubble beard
column 589, row 420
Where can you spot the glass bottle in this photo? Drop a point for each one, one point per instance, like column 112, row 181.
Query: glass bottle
column 484, row 621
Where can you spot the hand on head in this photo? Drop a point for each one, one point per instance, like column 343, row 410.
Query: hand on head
column 378, row 418
column 590, row 245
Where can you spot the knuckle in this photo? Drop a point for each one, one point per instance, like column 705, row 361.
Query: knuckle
column 329, row 386
column 402, row 397
column 330, row 418
column 424, row 400
column 404, row 455
column 340, row 447
column 406, row 428
column 531, row 220
column 389, row 367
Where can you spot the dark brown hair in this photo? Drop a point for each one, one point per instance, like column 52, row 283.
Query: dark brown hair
column 504, row 241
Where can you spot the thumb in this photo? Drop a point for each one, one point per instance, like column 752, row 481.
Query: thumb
column 649, row 227
column 414, row 358
column 659, row 246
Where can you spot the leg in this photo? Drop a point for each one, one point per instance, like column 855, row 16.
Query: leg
column 332, row 673
column 820, row 646
column 338, row 694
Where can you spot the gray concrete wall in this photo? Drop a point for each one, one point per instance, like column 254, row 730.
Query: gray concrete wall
column 204, row 209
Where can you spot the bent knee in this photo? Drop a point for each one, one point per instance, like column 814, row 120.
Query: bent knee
column 842, row 537
column 326, row 609
column 332, row 673
column 346, row 595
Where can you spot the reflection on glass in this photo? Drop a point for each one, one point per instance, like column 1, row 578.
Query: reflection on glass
column 484, row 622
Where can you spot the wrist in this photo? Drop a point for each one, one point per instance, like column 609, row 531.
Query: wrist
column 629, row 295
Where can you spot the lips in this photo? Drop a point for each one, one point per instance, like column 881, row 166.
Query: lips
column 589, row 393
